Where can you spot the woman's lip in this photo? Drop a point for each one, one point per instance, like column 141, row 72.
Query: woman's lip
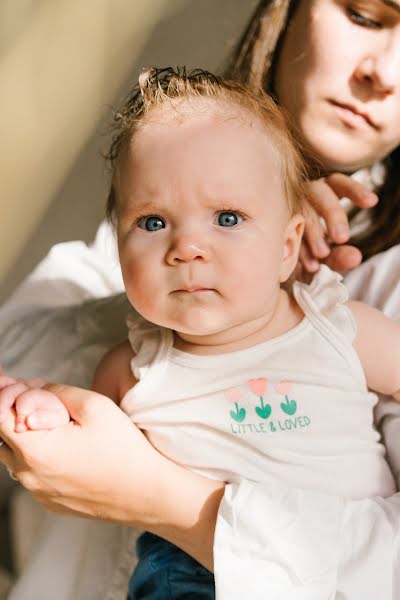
column 353, row 117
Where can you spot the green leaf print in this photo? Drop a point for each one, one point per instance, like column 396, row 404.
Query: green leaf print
column 289, row 407
column 263, row 411
column 239, row 415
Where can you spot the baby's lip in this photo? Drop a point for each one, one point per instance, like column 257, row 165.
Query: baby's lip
column 193, row 288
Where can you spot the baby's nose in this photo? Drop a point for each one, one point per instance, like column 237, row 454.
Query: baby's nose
column 187, row 248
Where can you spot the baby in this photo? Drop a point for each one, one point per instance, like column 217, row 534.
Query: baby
column 225, row 370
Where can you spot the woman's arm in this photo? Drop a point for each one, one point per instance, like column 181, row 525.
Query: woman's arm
column 101, row 466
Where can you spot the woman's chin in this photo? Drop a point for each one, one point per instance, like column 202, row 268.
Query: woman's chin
column 340, row 155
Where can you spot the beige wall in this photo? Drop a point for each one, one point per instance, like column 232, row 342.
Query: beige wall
column 61, row 64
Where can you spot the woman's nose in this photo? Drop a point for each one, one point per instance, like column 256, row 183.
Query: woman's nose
column 187, row 248
column 381, row 69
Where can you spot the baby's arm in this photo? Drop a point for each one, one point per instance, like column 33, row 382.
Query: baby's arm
column 114, row 377
column 377, row 343
column 34, row 407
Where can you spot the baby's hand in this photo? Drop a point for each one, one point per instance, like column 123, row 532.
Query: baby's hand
column 34, row 407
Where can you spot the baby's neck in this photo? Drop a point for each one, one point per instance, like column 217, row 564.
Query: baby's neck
column 285, row 316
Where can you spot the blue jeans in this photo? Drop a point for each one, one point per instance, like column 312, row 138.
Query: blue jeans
column 164, row 572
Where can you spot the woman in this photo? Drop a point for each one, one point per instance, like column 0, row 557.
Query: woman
column 335, row 67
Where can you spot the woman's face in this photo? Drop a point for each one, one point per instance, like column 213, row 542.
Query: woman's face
column 338, row 75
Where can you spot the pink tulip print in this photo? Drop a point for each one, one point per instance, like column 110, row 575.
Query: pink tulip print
column 234, row 395
column 284, row 388
column 259, row 387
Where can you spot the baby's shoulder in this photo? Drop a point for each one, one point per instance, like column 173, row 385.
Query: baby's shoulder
column 114, row 375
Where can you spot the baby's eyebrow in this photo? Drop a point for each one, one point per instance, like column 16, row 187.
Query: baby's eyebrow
column 136, row 205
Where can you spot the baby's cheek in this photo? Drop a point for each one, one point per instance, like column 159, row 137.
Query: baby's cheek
column 143, row 287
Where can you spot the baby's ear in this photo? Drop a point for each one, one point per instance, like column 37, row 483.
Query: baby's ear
column 291, row 246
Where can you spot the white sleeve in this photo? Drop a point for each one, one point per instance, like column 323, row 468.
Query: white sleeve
column 72, row 272
column 60, row 320
column 62, row 343
column 272, row 541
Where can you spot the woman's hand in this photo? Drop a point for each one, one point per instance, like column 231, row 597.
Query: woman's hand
column 324, row 195
column 100, row 465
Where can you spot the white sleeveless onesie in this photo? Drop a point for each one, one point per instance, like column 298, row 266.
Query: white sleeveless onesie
column 295, row 408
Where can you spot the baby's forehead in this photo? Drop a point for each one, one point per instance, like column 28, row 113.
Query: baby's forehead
column 203, row 109
column 202, row 132
column 229, row 147
column 226, row 141
column 216, row 122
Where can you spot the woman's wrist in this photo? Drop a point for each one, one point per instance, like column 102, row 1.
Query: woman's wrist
column 180, row 506
column 190, row 503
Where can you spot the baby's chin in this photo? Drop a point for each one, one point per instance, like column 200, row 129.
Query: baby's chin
column 198, row 335
column 195, row 322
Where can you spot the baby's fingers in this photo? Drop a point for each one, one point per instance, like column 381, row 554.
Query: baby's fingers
column 8, row 396
column 39, row 409
column 47, row 419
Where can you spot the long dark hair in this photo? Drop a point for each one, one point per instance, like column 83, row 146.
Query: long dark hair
column 252, row 62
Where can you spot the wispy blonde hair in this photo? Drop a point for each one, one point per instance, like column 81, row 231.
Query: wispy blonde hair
column 164, row 87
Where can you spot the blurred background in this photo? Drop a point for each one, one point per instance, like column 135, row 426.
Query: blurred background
column 63, row 65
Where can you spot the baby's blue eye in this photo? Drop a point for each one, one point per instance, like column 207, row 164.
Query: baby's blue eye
column 151, row 223
column 228, row 218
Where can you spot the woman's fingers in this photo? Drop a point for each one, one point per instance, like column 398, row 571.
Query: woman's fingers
column 314, row 235
column 7, row 453
column 308, row 263
column 325, row 209
column 5, row 380
column 343, row 258
column 326, row 205
column 324, row 195
column 346, row 187
column 6, row 456
column 80, row 407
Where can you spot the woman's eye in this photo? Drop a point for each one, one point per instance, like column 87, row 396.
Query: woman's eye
column 229, row 218
column 360, row 19
column 151, row 223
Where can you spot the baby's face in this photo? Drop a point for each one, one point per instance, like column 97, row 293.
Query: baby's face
column 202, row 227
